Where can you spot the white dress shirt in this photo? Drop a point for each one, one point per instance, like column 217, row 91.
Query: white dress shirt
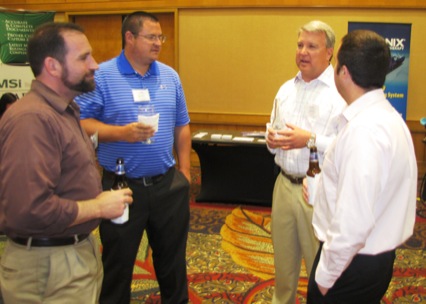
column 313, row 106
column 366, row 195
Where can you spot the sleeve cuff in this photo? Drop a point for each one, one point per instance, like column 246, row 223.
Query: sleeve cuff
column 322, row 142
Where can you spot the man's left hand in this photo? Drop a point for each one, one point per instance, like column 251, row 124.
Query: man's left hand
column 292, row 137
column 186, row 173
column 323, row 290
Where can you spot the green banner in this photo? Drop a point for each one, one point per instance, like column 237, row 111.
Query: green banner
column 15, row 29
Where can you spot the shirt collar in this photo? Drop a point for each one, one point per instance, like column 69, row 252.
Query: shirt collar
column 126, row 68
column 326, row 77
column 51, row 97
column 365, row 101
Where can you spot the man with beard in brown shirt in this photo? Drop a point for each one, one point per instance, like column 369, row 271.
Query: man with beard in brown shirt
column 51, row 198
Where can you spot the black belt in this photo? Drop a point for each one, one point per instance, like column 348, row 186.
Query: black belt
column 49, row 242
column 297, row 180
column 145, row 180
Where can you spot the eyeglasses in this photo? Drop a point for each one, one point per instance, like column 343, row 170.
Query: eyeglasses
column 153, row 38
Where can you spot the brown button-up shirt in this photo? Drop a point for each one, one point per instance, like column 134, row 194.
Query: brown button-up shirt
column 47, row 164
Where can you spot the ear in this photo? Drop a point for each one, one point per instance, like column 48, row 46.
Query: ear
column 345, row 72
column 129, row 37
column 53, row 67
column 330, row 53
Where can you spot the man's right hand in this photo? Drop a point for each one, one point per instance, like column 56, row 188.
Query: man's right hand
column 113, row 203
column 107, row 205
column 137, row 132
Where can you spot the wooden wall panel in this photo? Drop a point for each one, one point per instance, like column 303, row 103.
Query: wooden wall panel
column 96, row 5
column 104, row 34
column 169, row 49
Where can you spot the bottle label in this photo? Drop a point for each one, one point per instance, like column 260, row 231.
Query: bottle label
column 123, row 218
column 312, row 182
column 120, row 169
column 313, row 157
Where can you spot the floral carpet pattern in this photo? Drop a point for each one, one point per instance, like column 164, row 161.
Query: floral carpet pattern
column 230, row 260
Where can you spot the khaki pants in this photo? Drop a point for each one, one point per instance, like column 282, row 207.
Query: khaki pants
column 62, row 274
column 293, row 238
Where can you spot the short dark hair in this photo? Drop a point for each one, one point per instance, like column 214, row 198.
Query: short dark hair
column 366, row 55
column 5, row 100
column 134, row 23
column 48, row 41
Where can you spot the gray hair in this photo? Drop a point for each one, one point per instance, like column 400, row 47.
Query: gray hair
column 317, row 26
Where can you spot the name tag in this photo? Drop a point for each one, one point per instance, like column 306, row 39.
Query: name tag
column 141, row 95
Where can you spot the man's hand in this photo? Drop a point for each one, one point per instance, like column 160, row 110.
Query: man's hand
column 323, row 290
column 186, row 173
column 137, row 132
column 291, row 138
column 271, row 137
column 113, row 203
column 107, row 205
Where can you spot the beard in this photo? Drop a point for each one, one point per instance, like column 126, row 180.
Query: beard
column 83, row 86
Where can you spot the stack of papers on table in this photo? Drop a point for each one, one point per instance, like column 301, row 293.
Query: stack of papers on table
column 221, row 136
column 245, row 139
column 200, row 135
column 257, row 134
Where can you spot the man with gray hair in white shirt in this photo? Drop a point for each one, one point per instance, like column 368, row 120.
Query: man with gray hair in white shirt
column 305, row 113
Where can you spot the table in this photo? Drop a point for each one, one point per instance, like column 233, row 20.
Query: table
column 236, row 167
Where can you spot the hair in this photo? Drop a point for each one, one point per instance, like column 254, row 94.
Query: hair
column 48, row 41
column 134, row 23
column 317, row 26
column 366, row 56
column 5, row 100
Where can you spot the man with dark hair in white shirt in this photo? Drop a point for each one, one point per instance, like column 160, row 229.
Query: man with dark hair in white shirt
column 366, row 196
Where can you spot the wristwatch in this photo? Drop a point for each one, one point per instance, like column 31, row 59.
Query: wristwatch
column 311, row 141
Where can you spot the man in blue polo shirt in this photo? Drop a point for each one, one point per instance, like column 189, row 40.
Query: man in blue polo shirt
column 160, row 192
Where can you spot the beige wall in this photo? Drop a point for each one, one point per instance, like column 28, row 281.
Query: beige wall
column 234, row 60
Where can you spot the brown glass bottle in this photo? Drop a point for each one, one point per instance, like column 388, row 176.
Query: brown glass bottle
column 314, row 168
column 120, row 182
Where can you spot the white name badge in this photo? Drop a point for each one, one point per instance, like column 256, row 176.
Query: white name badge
column 141, row 95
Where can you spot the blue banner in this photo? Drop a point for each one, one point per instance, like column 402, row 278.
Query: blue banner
column 398, row 37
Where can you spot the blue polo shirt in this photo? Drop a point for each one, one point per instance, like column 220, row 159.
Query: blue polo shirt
column 112, row 102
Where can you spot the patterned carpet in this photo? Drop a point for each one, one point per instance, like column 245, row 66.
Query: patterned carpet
column 230, row 259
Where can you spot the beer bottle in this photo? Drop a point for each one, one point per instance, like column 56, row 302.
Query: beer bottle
column 312, row 172
column 120, row 182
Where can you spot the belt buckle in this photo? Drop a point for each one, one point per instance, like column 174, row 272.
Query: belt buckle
column 147, row 181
